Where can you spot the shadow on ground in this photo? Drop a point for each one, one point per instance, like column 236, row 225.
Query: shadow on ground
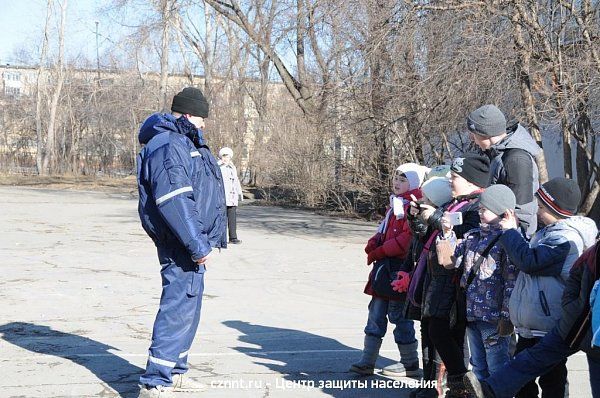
column 283, row 221
column 114, row 371
column 303, row 356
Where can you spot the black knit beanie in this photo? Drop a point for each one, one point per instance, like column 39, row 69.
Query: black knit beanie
column 561, row 195
column 473, row 168
column 190, row 101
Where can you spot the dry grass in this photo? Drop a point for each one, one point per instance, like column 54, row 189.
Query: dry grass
column 128, row 185
column 81, row 183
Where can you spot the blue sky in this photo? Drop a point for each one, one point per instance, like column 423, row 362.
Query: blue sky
column 22, row 24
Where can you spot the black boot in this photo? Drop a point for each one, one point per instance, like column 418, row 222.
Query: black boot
column 457, row 388
column 422, row 392
column 431, row 368
column 478, row 389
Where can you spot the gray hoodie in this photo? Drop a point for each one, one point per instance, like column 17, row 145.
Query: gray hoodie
column 535, row 303
column 517, row 170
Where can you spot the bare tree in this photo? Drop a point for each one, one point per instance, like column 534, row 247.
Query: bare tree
column 167, row 9
column 325, row 98
column 298, row 89
column 49, row 153
column 38, row 103
column 524, row 52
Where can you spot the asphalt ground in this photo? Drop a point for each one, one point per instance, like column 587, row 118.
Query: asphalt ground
column 283, row 313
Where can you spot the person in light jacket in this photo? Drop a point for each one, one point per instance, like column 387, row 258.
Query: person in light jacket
column 233, row 191
column 571, row 334
column 537, row 302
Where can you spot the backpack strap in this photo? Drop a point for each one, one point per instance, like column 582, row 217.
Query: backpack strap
column 430, row 241
column 456, row 207
column 475, row 270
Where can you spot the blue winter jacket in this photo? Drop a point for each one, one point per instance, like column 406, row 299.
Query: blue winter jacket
column 545, row 263
column 181, row 194
column 489, row 293
column 595, row 304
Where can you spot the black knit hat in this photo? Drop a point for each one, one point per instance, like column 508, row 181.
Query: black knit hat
column 561, row 195
column 190, row 101
column 473, row 168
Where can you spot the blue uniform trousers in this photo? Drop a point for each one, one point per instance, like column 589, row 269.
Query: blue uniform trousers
column 536, row 361
column 176, row 322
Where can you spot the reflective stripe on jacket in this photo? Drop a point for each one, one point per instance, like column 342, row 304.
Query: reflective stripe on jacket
column 181, row 195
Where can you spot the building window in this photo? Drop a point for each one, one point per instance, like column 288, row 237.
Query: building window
column 12, row 76
column 347, row 153
column 12, row 91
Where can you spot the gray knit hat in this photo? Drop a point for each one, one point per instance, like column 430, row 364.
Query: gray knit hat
column 488, row 121
column 437, row 190
column 497, row 199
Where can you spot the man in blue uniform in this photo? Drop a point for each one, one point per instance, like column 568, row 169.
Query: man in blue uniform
column 182, row 208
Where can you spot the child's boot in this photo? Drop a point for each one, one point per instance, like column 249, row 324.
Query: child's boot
column 477, row 388
column 409, row 362
column 431, row 369
column 366, row 365
column 457, row 387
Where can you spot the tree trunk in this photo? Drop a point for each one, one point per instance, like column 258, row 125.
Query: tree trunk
column 208, row 52
column 566, row 142
column 164, row 55
column 300, row 37
column 302, row 94
column 591, row 204
column 38, row 103
column 378, row 61
column 49, row 156
column 527, row 98
column 583, row 129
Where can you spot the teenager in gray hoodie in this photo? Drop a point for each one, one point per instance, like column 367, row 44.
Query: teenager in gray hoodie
column 512, row 153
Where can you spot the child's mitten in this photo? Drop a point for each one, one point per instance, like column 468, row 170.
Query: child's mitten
column 401, row 284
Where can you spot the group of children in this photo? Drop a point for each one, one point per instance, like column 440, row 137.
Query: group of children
column 469, row 269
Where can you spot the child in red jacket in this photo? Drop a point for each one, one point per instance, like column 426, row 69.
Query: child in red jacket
column 392, row 241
